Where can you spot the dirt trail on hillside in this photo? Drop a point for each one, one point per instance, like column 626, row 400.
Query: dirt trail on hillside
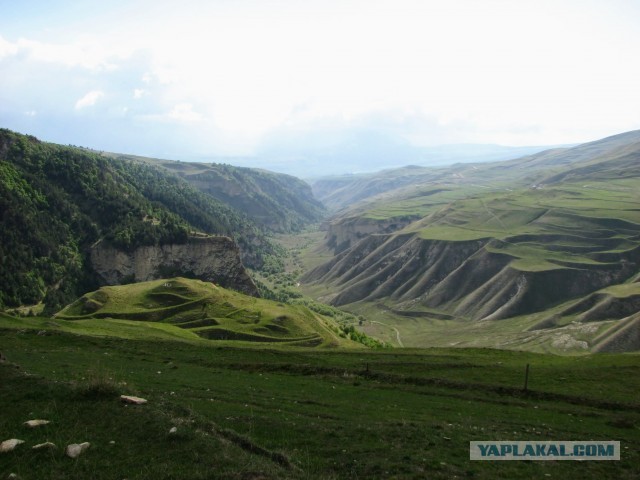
column 394, row 328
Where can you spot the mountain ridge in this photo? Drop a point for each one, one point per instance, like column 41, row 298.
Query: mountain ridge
column 276, row 201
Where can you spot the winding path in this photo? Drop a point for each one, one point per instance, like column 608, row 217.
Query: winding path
column 394, row 328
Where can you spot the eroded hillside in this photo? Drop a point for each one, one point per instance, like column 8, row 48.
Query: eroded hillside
column 477, row 246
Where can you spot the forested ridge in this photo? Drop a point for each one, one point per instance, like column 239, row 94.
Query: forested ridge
column 275, row 201
column 56, row 201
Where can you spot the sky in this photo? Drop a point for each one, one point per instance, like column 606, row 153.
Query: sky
column 192, row 79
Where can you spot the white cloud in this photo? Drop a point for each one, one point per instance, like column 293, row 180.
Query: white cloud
column 138, row 93
column 89, row 99
column 7, row 48
column 494, row 71
column 184, row 113
column 90, row 54
column 180, row 113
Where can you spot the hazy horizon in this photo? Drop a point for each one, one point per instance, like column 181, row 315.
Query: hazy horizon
column 298, row 80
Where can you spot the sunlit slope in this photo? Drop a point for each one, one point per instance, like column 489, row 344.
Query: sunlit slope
column 208, row 311
column 494, row 244
column 612, row 154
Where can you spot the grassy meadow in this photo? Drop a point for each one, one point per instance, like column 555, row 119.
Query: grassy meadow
column 271, row 412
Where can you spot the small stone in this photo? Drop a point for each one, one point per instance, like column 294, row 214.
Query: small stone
column 43, row 446
column 74, row 450
column 9, row 445
column 132, row 399
column 35, row 423
column 112, row 442
column 173, row 430
column 13, row 476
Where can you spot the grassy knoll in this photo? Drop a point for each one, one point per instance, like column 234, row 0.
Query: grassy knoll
column 204, row 310
column 268, row 413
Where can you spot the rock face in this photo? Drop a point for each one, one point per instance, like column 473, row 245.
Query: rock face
column 466, row 279
column 213, row 259
column 346, row 232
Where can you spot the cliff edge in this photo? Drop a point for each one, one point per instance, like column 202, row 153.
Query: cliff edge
column 212, row 259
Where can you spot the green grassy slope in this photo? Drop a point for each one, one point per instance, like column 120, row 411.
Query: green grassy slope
column 262, row 413
column 202, row 309
column 343, row 192
column 511, row 241
column 548, row 227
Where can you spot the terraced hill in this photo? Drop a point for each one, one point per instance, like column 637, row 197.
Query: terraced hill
column 495, row 242
column 209, row 311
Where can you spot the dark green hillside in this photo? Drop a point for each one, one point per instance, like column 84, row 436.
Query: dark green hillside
column 278, row 202
column 55, row 201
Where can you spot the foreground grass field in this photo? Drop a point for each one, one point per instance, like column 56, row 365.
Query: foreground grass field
column 267, row 413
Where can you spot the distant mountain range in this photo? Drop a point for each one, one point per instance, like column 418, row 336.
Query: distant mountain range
column 312, row 155
column 338, row 191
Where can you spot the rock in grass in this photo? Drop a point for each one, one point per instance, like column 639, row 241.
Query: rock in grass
column 44, row 446
column 74, row 450
column 173, row 430
column 9, row 445
column 133, row 400
column 35, row 423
